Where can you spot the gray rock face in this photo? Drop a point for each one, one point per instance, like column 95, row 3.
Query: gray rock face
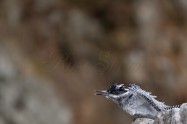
column 143, row 121
column 26, row 98
column 174, row 116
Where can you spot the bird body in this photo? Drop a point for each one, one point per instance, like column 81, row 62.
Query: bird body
column 135, row 101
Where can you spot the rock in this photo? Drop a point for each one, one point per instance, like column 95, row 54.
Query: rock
column 183, row 113
column 26, row 98
column 174, row 116
column 143, row 121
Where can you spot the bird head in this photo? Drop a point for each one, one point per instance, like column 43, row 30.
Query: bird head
column 114, row 92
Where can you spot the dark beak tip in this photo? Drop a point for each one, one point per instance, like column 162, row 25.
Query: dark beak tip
column 99, row 92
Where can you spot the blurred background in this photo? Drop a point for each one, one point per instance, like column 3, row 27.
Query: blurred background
column 54, row 54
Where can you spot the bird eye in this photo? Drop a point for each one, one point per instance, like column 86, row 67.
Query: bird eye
column 121, row 88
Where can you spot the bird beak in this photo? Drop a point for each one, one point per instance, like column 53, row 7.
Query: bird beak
column 106, row 94
column 100, row 92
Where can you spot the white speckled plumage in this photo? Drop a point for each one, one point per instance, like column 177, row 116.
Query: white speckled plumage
column 135, row 101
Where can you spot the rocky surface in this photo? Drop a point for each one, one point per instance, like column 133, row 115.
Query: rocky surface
column 175, row 116
column 26, row 98
column 143, row 121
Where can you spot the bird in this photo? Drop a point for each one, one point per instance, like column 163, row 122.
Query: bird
column 135, row 101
